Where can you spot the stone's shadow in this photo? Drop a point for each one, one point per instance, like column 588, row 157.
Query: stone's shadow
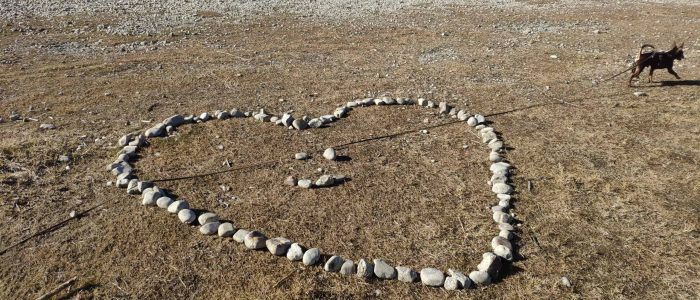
column 343, row 158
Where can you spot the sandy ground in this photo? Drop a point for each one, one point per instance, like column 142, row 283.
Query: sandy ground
column 615, row 199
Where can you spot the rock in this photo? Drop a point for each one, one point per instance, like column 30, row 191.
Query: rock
column 640, row 94
column 301, row 156
column 290, row 181
column 155, row 131
column 500, row 241
column 209, row 228
column 500, row 168
column 295, row 252
column 422, row 102
column 315, row 123
column 488, row 136
column 365, row 269
column 223, row 115
column 311, row 256
column 287, row 120
column 333, row 264
column 255, row 240
column 341, row 112
column 47, row 126
column 479, row 118
column 497, row 208
column 325, row 181
column 479, row 127
column 432, row 277
column 491, row 264
column 495, row 145
column 451, row 283
column 300, row 124
column 169, row 129
column 430, row 104
column 506, row 226
column 240, row 234
column 348, row 268
column 177, row 206
column 131, row 187
column 406, row 274
column 235, row 113
column 207, row 218
column 164, row 202
column 124, row 140
column 462, row 115
column 480, row 278
column 278, row 246
column 327, row 119
column 388, row 100
column 566, row 282
column 174, row 121
column 204, row 117
column 502, row 188
column 383, row 270
column 329, row 154
column 304, row 183
column 186, row 216
column 506, row 234
column 495, row 157
column 503, row 196
column 463, row 281
column 471, row 121
column 444, row 108
column 150, row 197
column 502, row 217
column 503, row 251
column 123, row 180
column 72, row 213
column 143, row 185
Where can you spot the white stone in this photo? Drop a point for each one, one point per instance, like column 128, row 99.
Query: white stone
column 207, row 218
column 422, row 102
column 506, row 234
column 503, row 252
column 325, row 181
column 444, row 108
column 333, row 264
column 365, row 269
column 451, row 283
column 500, row 241
column 240, row 234
column 290, row 180
column 124, row 140
column 255, row 240
column 304, row 183
column 278, row 246
column 566, row 282
column 209, row 228
column 295, row 252
column 348, row 268
column 301, row 156
column 226, row 230
column 315, row 123
column 311, row 257
column 495, row 157
column 186, row 216
column 462, row 115
column 235, row 113
column 502, row 188
column 471, row 121
column 300, row 124
column 480, row 278
column 383, row 270
column 150, row 198
column 329, row 154
column 479, row 118
column 432, row 277
column 406, row 274
column 502, row 217
column 491, row 264
column 164, row 202
column 462, row 280
column 177, row 206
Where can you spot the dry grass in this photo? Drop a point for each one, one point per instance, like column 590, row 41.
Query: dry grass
column 614, row 205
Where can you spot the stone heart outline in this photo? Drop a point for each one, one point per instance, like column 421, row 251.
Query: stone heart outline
column 488, row 269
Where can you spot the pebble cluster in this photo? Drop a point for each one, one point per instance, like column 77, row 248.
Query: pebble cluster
column 489, row 269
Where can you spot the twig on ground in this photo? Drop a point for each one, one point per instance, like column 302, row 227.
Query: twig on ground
column 59, row 288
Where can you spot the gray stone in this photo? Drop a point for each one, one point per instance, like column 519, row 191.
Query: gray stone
column 406, row 274
column 155, row 131
column 255, row 240
column 462, row 115
column 502, row 188
column 333, row 264
column 235, row 113
column 304, row 183
column 287, row 120
column 503, row 252
column 290, row 180
column 132, row 187
column 150, row 198
column 431, row 104
column 506, row 226
column 365, row 269
column 295, row 252
column 383, row 270
column 164, row 202
column 240, row 234
column 325, row 181
column 491, row 264
column 451, row 283
column 226, row 230
column 495, row 145
column 300, row 124
column 495, row 157
column 186, row 216
column 341, row 112
column 502, row 217
column 207, row 218
column 47, row 126
column 278, row 246
column 506, row 234
column 222, row 115
column 204, row 117
column 500, row 241
column 174, row 121
column 480, row 278
column 315, row 123
column 124, row 140
column 327, row 119
column 479, row 118
column 177, row 206
column 488, row 136
column 471, row 121
column 462, row 280
column 444, row 108
column 500, row 168
column 348, row 268
column 311, row 256
column 432, row 277
column 329, row 154
column 422, row 102
column 301, row 156
column 209, row 228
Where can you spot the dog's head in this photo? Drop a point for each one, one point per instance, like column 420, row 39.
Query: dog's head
column 677, row 51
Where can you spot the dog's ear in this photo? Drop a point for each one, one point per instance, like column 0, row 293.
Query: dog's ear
column 674, row 46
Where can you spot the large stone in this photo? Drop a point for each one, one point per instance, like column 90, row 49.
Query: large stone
column 311, row 256
column 305, row 183
column 186, row 216
column 300, row 124
column 502, row 188
column 432, row 277
column 174, row 121
column 226, row 230
column 155, row 131
column 295, row 252
column 500, row 241
column 240, row 234
column 462, row 115
column 150, row 198
column 444, row 108
column 235, row 113
column 471, row 121
column 124, row 140
column 287, row 120
column 278, row 246
column 177, row 206
column 422, row 102
column 406, row 274
column 325, row 181
column 315, row 123
column 365, row 269
column 207, row 218
column 164, row 202
column 341, row 112
column 255, row 240
column 462, row 280
column 491, row 264
column 480, row 278
column 348, row 268
column 333, row 264
column 383, row 270
column 132, row 187
column 329, row 154
column 503, row 252
column 209, row 228
column 502, row 217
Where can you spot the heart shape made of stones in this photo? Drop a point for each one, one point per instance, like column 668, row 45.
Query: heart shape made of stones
column 492, row 263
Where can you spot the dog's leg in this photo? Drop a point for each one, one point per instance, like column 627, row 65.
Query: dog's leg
column 670, row 70
column 651, row 75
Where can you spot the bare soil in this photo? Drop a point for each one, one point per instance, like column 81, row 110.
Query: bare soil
column 614, row 203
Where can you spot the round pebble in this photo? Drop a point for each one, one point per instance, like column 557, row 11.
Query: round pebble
column 365, row 269
column 348, row 268
column 226, row 230
column 186, row 216
column 304, row 183
column 406, row 274
column 295, row 252
column 278, row 246
column 164, row 202
column 301, row 156
column 209, row 228
column 383, row 270
column 311, row 256
column 177, row 206
column 325, row 181
column 432, row 277
column 471, row 121
column 255, row 240
column 207, row 218
column 329, row 154
column 502, row 188
column 480, row 277
column 333, row 264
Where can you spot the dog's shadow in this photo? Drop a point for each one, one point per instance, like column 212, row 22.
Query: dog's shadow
column 679, row 83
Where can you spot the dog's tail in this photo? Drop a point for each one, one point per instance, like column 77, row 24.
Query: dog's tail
column 639, row 55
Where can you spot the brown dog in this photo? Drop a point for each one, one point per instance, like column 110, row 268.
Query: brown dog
column 656, row 60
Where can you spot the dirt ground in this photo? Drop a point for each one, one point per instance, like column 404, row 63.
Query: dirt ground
column 615, row 199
